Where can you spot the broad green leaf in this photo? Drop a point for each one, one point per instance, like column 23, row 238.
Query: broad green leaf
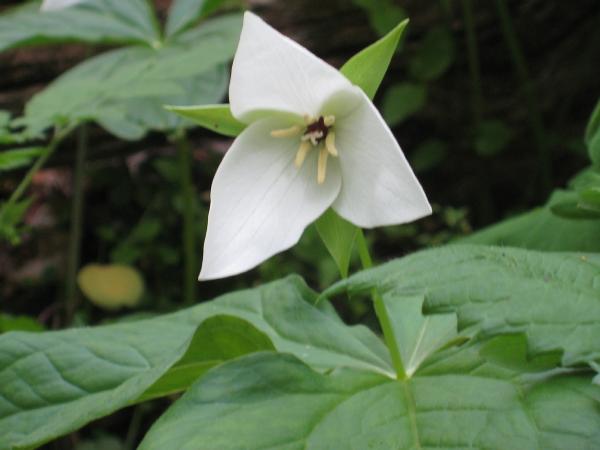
column 218, row 339
column 435, row 55
column 491, row 137
column 540, row 229
column 217, row 118
column 17, row 158
column 125, row 89
column 403, row 100
column 552, row 297
column 338, row 235
column 95, row 21
column 270, row 401
column 367, row 68
column 55, row 382
column 417, row 336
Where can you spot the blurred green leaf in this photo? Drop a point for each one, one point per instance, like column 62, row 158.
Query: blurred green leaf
column 4, row 118
column 17, row 158
column 491, row 137
column 428, row 155
column 11, row 215
column 594, row 147
column 338, row 235
column 95, row 21
column 183, row 13
column 18, row 323
column 367, row 68
column 384, row 15
column 402, row 100
column 541, row 229
column 217, row 118
column 575, row 210
column 434, row 56
column 124, row 89
column 593, row 126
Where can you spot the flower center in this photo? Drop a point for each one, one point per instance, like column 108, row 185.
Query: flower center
column 318, row 133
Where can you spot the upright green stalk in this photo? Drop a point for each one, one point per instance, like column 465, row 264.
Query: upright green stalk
column 76, row 227
column 189, row 201
column 473, row 61
column 380, row 310
column 522, row 73
column 59, row 136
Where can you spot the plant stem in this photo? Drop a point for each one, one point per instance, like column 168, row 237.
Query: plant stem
column 535, row 115
column 380, row 309
column 58, row 137
column 473, row 61
column 189, row 236
column 74, row 251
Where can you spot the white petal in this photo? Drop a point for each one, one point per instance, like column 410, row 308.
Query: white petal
column 273, row 73
column 261, row 202
column 378, row 186
column 54, row 5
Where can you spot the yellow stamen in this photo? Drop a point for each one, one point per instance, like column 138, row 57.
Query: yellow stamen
column 308, row 119
column 329, row 120
column 287, row 132
column 302, row 152
column 330, row 144
column 322, row 167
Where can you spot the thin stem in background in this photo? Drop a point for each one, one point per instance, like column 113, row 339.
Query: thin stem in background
column 485, row 201
column 59, row 136
column 74, row 249
column 473, row 61
column 189, row 210
column 380, row 309
column 535, row 116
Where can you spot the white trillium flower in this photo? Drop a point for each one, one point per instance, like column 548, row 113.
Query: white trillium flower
column 313, row 141
column 55, row 5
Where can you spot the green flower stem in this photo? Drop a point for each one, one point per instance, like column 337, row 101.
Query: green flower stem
column 380, row 310
column 189, row 237
column 74, row 249
column 59, row 136
column 522, row 73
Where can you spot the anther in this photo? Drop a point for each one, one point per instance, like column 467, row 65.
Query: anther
column 330, row 144
column 322, row 167
column 308, row 119
column 302, row 152
column 329, row 121
column 287, row 132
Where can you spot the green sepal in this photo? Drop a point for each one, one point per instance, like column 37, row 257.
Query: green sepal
column 367, row 68
column 338, row 235
column 217, row 118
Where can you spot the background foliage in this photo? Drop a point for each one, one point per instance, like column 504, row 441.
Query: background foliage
column 494, row 103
